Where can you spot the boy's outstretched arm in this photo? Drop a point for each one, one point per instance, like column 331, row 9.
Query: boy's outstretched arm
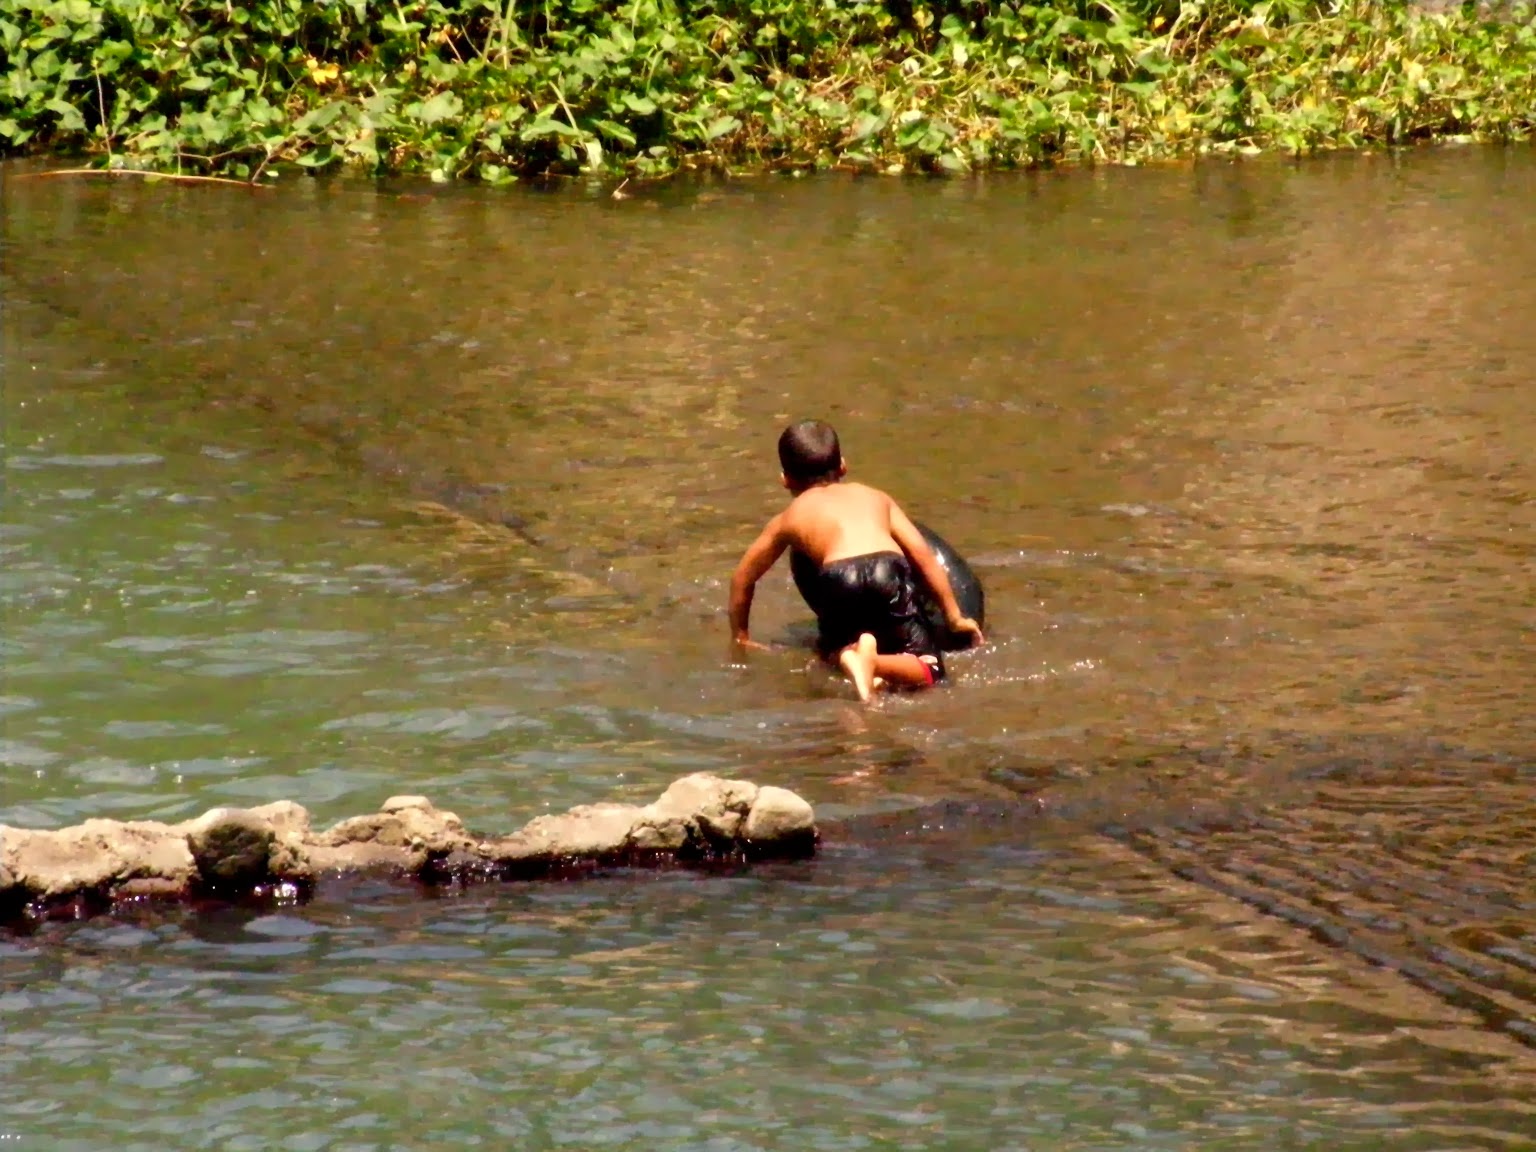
column 758, row 558
column 932, row 572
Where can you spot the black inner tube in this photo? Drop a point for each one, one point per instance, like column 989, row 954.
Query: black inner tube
column 967, row 589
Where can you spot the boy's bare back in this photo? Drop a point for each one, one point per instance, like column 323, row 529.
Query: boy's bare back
column 834, row 521
column 830, row 520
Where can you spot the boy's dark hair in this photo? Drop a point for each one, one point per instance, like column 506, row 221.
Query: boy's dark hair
column 809, row 452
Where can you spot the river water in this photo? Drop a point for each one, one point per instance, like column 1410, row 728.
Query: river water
column 338, row 491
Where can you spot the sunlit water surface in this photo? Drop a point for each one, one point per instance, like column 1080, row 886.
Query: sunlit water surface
column 336, row 492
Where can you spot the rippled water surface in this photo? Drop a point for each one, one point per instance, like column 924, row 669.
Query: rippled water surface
column 336, row 492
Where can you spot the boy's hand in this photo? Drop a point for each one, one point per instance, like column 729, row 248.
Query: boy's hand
column 970, row 627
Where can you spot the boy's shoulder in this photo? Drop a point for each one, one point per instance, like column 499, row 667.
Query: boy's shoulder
column 844, row 492
column 847, row 502
column 859, row 490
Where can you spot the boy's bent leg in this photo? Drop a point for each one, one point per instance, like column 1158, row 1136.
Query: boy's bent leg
column 905, row 670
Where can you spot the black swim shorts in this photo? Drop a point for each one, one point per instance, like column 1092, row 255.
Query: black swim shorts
column 875, row 593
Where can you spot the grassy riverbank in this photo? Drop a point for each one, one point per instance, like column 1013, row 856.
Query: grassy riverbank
column 496, row 88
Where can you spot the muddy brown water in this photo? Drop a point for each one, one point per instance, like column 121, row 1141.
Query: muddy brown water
column 336, row 491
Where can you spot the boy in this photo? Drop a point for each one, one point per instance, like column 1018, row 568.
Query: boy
column 865, row 550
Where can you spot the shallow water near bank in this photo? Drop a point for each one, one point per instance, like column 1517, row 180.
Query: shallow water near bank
column 338, row 492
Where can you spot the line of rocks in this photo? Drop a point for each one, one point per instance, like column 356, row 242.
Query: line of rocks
column 272, row 851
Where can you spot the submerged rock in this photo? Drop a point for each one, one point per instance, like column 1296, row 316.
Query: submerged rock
column 273, row 850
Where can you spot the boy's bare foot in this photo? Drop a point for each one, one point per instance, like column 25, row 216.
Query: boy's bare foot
column 858, row 662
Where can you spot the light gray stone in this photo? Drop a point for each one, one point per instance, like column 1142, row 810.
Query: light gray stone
column 232, row 848
column 96, row 856
column 586, row 831
column 712, row 808
column 659, row 831
column 286, row 818
column 419, row 827
column 779, row 816
column 398, row 803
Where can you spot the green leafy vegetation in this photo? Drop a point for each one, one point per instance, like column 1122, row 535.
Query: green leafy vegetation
column 496, row 88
